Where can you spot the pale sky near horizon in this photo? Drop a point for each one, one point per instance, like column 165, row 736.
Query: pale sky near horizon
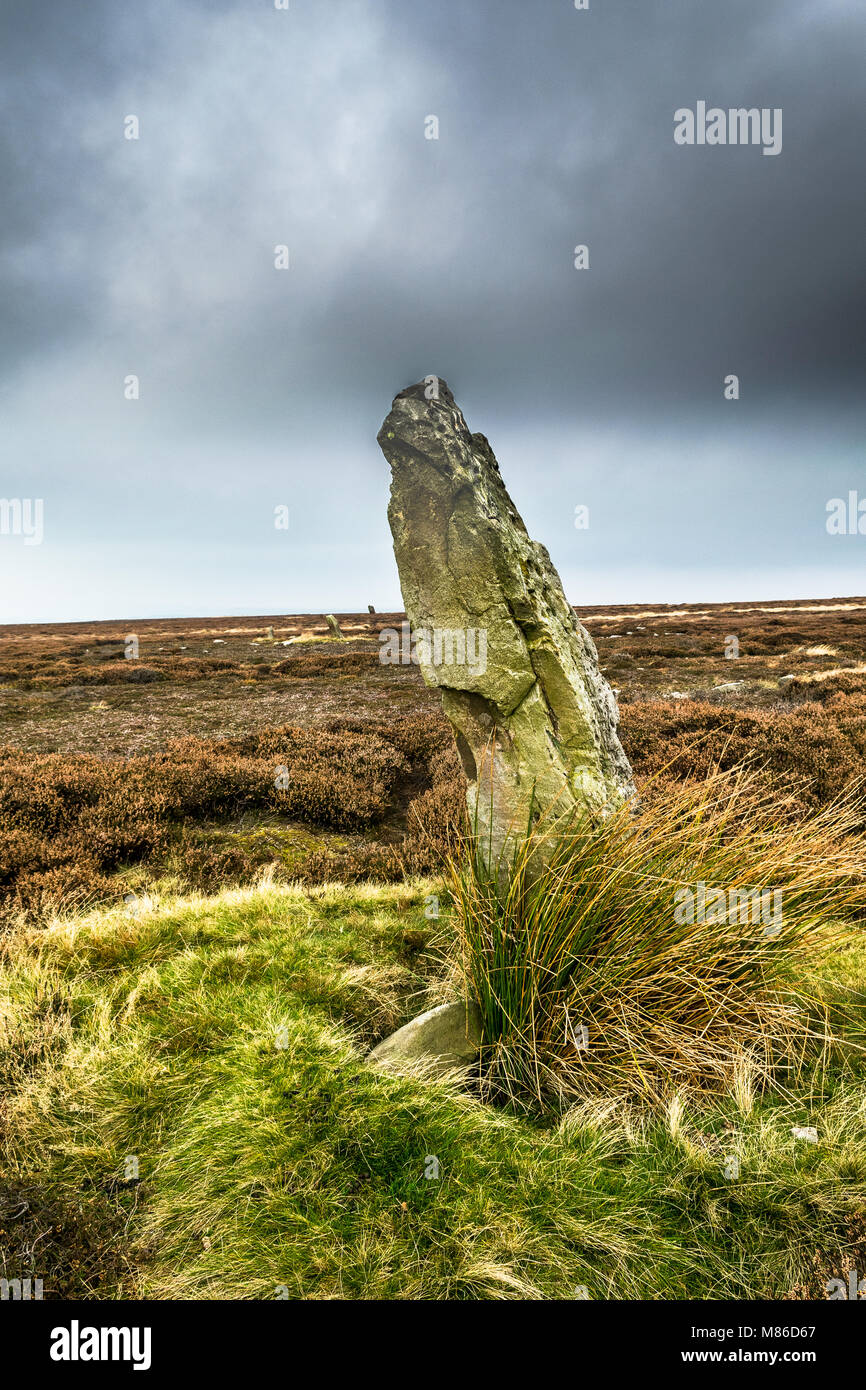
column 262, row 388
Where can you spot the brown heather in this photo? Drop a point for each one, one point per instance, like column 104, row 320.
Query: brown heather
column 811, row 750
column 69, row 822
column 117, row 771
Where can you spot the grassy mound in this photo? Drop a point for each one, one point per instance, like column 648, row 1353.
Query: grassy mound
column 187, row 1113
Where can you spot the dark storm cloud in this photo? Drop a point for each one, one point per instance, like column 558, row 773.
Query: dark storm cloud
column 411, row 256
column 701, row 260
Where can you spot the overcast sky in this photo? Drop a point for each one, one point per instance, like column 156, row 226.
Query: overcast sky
column 262, row 388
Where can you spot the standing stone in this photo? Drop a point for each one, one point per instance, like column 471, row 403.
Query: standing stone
column 534, row 720
column 333, row 625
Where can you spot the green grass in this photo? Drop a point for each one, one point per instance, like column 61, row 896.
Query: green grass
column 221, row 1042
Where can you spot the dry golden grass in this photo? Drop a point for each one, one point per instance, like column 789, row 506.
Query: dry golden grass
column 603, row 969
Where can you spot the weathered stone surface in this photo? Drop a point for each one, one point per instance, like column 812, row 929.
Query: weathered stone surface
column 445, row 1037
column 333, row 625
column 535, row 721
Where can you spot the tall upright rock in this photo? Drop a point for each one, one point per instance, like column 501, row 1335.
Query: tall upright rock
column 534, row 720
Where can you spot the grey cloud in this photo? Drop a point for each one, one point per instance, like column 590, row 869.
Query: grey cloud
column 411, row 256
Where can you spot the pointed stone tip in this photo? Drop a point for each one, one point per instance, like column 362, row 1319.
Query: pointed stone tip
column 432, row 395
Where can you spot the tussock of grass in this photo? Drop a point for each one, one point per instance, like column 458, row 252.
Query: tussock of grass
column 221, row 1042
column 594, row 972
